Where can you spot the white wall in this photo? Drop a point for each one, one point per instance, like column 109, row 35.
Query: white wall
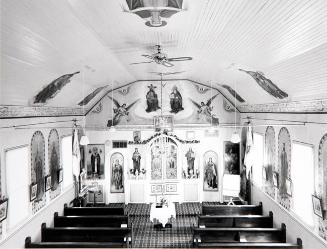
column 13, row 137
column 310, row 134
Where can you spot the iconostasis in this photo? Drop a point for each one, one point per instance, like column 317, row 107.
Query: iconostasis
column 161, row 145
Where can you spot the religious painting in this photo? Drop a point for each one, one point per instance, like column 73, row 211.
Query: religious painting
column 176, row 100
column 289, row 187
column 156, row 162
column 171, row 188
column 47, row 183
column 269, row 161
column 171, row 162
column 276, row 179
column 204, row 111
column 163, row 123
column 121, row 112
column 317, row 207
column 191, row 167
column 3, row 209
column 95, row 161
column 321, row 174
column 284, row 166
column 157, row 189
column 138, row 171
column 117, row 173
column 232, row 158
column 54, row 157
column 137, row 136
column 33, row 191
column 38, row 168
column 210, row 171
column 266, row 84
column 152, row 99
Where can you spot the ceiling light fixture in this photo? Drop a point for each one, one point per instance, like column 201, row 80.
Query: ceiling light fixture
column 235, row 136
column 112, row 128
column 84, row 139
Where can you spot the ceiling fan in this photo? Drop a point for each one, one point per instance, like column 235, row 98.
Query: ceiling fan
column 161, row 58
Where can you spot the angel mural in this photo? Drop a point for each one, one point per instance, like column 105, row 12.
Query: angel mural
column 205, row 110
column 121, row 112
column 266, row 84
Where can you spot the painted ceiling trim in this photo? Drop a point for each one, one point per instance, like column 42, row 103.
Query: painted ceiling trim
column 38, row 111
column 309, row 106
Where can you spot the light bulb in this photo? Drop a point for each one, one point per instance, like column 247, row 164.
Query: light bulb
column 84, row 140
column 235, row 138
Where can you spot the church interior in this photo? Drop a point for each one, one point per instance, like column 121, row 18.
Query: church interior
column 163, row 124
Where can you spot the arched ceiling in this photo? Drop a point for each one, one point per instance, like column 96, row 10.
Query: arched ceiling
column 42, row 40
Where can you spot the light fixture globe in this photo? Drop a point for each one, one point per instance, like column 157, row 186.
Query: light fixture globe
column 84, row 140
column 235, row 138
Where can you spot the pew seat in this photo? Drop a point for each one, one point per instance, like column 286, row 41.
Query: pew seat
column 90, row 221
column 249, row 245
column 246, row 221
column 232, row 210
column 92, row 211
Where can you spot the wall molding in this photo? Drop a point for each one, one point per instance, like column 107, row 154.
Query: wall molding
column 306, row 106
column 7, row 112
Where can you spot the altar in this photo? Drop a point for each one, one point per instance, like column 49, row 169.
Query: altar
column 162, row 214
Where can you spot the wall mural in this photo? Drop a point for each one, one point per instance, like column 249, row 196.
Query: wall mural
column 284, row 166
column 234, row 93
column 269, row 165
column 54, row 162
column 137, row 171
column 231, row 158
column 171, row 162
column 51, row 90
column 266, row 84
column 210, row 171
column 322, row 184
column 95, row 161
column 38, row 169
column 117, row 173
column 143, row 102
column 191, row 167
column 91, row 96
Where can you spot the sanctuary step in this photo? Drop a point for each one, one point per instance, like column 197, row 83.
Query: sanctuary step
column 232, row 210
column 245, row 221
column 90, row 221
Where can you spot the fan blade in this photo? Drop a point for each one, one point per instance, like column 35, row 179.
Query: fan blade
column 180, row 59
column 167, row 64
column 148, row 56
column 141, row 62
column 173, row 73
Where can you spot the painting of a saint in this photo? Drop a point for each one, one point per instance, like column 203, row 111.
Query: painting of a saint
column 210, row 179
column 191, row 171
column 270, row 150
column 95, row 161
column 266, row 84
column 176, row 101
column 232, row 158
column 284, row 166
column 121, row 112
column 156, row 166
column 152, row 99
column 38, row 169
column 137, row 136
column 171, row 163
column 204, row 111
column 117, row 173
column 321, row 174
column 54, row 159
column 137, row 172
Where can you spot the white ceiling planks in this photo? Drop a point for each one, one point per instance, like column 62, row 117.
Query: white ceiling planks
column 42, row 40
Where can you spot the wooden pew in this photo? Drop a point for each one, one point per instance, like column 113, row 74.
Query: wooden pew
column 90, row 221
column 245, row 221
column 82, row 236
column 239, row 235
column 80, row 211
column 232, row 210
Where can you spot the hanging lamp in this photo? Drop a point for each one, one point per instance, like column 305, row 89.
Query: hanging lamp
column 235, row 136
column 84, row 139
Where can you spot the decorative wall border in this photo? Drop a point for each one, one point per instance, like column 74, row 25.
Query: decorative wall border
column 307, row 106
column 38, row 111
